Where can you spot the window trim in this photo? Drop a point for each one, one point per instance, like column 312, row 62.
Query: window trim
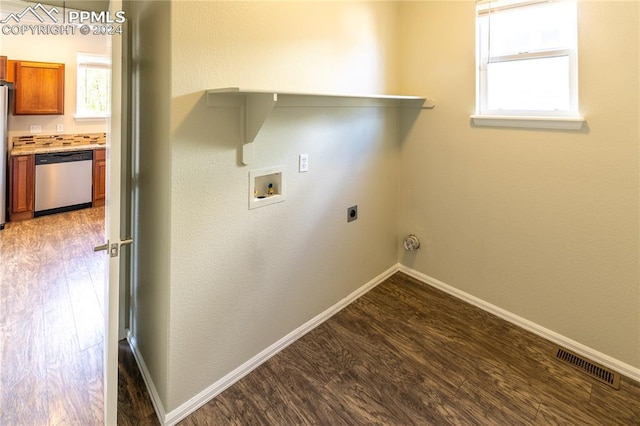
column 569, row 119
column 531, row 122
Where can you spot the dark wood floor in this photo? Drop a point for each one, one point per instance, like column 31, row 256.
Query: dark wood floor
column 402, row 354
column 52, row 326
column 407, row 354
column 134, row 404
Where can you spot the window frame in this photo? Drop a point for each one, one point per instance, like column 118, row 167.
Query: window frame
column 552, row 119
column 97, row 61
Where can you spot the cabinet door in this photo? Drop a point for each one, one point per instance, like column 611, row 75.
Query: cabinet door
column 11, row 71
column 3, row 68
column 99, row 177
column 39, row 88
column 22, row 187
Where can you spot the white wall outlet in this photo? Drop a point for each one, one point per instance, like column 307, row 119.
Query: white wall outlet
column 303, row 164
column 59, row 128
column 35, row 129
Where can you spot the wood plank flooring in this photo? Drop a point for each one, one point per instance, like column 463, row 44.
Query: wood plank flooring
column 51, row 326
column 51, row 320
column 407, row 354
column 402, row 354
column 134, row 404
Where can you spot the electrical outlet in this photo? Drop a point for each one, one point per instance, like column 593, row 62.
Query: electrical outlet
column 303, row 165
column 59, row 128
column 352, row 213
column 35, row 129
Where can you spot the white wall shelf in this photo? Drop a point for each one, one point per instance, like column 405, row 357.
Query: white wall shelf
column 255, row 106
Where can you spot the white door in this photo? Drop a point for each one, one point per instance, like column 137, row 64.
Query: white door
column 112, row 230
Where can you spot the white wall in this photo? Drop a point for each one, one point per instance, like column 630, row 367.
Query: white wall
column 541, row 223
column 242, row 279
column 218, row 283
column 150, row 84
column 60, row 49
column 544, row 224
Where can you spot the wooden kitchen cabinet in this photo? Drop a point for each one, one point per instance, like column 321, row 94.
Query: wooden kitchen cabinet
column 7, row 70
column 22, row 187
column 11, row 71
column 3, row 68
column 99, row 177
column 39, row 88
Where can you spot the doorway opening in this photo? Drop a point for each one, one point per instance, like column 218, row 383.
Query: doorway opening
column 52, row 283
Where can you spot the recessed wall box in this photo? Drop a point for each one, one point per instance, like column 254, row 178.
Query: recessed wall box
column 266, row 187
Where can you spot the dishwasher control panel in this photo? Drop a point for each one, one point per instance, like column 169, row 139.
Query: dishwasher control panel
column 63, row 157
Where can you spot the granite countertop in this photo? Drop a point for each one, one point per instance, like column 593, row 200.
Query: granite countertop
column 36, row 149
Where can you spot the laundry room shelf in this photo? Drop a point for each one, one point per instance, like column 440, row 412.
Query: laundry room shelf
column 257, row 105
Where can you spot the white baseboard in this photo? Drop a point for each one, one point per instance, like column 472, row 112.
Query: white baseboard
column 599, row 357
column 173, row 417
column 218, row 387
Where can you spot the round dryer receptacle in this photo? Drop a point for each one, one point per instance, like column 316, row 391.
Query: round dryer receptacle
column 411, row 243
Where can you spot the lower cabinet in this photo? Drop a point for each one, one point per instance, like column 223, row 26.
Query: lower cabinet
column 22, row 174
column 21, row 202
column 99, row 177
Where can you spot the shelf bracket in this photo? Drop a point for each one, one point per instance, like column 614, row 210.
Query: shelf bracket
column 257, row 107
column 254, row 110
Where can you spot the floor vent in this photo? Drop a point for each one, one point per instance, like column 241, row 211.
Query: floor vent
column 594, row 370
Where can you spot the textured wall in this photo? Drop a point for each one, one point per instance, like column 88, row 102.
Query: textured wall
column 242, row 279
column 150, row 73
column 541, row 223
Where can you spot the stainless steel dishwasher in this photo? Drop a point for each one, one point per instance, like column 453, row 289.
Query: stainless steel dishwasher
column 63, row 182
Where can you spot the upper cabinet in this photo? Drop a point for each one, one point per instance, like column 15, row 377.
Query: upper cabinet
column 39, row 88
column 7, row 70
column 11, row 71
column 3, row 68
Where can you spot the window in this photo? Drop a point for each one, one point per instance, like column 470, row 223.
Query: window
column 527, row 72
column 93, row 82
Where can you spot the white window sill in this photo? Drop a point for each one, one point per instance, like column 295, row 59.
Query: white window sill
column 89, row 118
column 530, row 122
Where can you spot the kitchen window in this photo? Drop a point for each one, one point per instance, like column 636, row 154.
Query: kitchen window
column 93, row 82
column 527, row 65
